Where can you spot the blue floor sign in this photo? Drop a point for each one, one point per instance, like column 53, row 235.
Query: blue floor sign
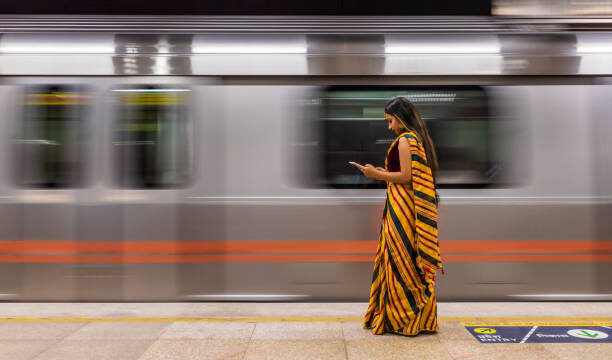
column 541, row 334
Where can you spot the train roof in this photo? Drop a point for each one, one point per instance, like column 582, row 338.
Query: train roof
column 304, row 45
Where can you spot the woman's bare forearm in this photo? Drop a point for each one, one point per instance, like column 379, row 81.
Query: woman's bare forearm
column 393, row 176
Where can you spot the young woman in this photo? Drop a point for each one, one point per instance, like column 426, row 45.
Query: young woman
column 402, row 298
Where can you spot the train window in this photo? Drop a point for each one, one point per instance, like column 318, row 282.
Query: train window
column 51, row 137
column 353, row 129
column 152, row 143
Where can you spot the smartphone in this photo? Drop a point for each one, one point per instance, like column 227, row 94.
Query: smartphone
column 354, row 163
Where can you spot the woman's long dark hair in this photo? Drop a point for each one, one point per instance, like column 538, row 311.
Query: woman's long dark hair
column 409, row 116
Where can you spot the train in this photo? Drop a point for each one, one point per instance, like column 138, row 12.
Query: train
column 204, row 158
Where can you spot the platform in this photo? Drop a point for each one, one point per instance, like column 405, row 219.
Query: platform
column 142, row 331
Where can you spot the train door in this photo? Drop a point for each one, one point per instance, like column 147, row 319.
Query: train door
column 151, row 160
column 49, row 171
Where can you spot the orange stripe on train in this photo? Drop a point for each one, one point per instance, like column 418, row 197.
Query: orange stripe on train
column 292, row 250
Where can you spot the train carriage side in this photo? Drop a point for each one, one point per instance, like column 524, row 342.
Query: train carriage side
column 222, row 175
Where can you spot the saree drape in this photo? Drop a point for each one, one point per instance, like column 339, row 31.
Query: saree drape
column 402, row 298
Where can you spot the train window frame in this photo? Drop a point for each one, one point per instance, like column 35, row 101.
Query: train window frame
column 322, row 153
column 21, row 132
column 188, row 143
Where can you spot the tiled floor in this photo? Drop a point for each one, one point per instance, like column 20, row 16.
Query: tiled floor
column 266, row 331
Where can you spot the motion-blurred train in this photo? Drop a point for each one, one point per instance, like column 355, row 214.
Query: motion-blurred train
column 205, row 158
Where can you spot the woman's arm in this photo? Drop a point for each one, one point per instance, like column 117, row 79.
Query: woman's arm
column 404, row 176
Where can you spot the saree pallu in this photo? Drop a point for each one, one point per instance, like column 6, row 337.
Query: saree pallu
column 402, row 298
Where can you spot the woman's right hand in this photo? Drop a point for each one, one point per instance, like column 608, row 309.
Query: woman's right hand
column 381, row 169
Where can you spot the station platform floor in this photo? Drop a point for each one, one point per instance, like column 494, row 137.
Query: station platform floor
column 143, row 331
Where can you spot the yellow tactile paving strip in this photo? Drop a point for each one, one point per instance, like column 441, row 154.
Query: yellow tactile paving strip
column 465, row 320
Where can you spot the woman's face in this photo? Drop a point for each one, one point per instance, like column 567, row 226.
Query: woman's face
column 394, row 124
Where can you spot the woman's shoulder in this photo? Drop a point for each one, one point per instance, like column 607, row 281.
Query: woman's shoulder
column 411, row 136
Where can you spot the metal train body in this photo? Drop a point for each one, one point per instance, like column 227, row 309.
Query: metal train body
column 246, row 222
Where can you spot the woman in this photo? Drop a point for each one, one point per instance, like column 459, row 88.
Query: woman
column 402, row 298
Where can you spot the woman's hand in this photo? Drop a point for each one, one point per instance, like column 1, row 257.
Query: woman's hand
column 369, row 171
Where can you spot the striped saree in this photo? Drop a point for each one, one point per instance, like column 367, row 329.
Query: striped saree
column 402, row 298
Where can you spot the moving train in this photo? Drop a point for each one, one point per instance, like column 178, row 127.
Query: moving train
column 205, row 158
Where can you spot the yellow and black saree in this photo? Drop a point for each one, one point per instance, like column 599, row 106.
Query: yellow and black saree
column 402, row 298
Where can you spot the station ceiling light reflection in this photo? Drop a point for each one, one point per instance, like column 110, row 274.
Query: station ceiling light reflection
column 56, row 44
column 262, row 44
column 437, row 44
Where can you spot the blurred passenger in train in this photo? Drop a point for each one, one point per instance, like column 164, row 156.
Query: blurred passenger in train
column 402, row 298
